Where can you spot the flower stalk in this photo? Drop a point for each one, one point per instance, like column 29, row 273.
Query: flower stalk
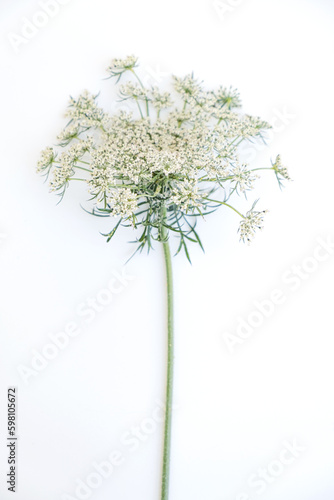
column 170, row 374
column 170, row 368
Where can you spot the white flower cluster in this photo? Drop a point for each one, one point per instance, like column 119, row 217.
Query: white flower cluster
column 84, row 111
column 79, row 148
column 186, row 195
column 47, row 157
column 102, row 175
column 188, row 87
column 243, row 177
column 122, row 64
column 161, row 166
column 228, row 97
column 280, row 170
column 69, row 133
column 64, row 168
column 62, row 173
column 123, row 202
column 250, row 223
column 161, row 100
column 132, row 90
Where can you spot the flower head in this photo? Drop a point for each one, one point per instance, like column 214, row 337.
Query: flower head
column 228, row 97
column 69, row 133
column 242, row 177
column 123, row 203
column 47, row 158
column 62, row 172
column 250, row 223
column 84, row 111
column 160, row 174
column 186, row 196
column 160, row 100
column 119, row 66
column 280, row 170
column 187, row 87
column 132, row 90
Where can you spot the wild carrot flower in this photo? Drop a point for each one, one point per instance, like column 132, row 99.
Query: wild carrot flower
column 160, row 168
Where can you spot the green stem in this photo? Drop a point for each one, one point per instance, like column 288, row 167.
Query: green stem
column 170, row 368
column 142, row 86
column 83, row 168
column 140, row 111
column 226, row 205
column 262, row 168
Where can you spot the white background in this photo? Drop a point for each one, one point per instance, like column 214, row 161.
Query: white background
column 234, row 410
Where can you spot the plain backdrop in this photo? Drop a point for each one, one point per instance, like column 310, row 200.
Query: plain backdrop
column 235, row 409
